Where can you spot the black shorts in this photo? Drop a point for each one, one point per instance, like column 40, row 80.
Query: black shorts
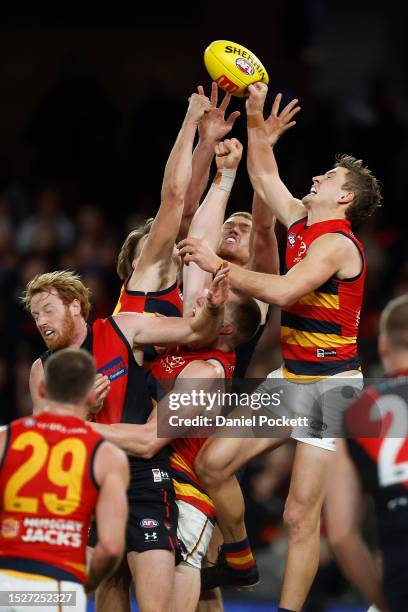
column 153, row 513
column 396, row 577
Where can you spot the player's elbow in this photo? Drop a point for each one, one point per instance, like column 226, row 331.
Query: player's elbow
column 174, row 192
column 111, row 547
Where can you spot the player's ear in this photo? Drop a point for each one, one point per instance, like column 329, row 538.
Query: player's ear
column 383, row 347
column 346, row 198
column 41, row 388
column 75, row 307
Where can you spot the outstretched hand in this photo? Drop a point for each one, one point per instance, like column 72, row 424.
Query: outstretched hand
column 228, row 154
column 278, row 123
column 218, row 291
column 213, row 125
column 198, row 106
column 198, row 251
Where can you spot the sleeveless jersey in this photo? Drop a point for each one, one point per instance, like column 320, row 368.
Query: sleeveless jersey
column 48, row 495
column 128, row 400
column 168, row 302
column 166, row 368
column 319, row 331
column 382, row 462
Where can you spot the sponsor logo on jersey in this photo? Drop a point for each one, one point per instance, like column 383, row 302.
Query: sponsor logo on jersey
column 151, row 537
column 226, row 83
column 10, row 528
column 291, row 239
column 322, row 353
column 114, row 369
column 244, row 66
column 29, row 422
column 56, row 532
column 159, row 475
column 149, row 523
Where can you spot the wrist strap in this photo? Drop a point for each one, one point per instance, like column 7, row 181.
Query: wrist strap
column 224, row 179
column 254, row 121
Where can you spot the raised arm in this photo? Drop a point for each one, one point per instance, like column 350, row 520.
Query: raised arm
column 329, row 255
column 212, row 128
column 262, row 166
column 208, row 220
column 153, row 264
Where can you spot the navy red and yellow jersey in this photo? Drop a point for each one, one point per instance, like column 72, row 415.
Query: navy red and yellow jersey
column 48, row 496
column 164, row 371
column 168, row 302
column 382, row 461
column 319, row 331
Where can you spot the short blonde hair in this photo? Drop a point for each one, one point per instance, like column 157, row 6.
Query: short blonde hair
column 68, row 285
column 128, row 251
column 394, row 322
column 244, row 213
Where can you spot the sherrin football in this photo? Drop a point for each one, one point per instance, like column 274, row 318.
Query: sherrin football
column 233, row 67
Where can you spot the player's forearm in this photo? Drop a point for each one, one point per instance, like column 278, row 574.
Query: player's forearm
column 264, row 246
column 201, row 164
column 178, row 171
column 357, row 563
column 103, row 563
column 261, row 159
column 136, row 440
column 269, row 288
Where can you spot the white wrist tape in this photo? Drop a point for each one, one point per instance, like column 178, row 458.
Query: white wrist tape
column 224, row 179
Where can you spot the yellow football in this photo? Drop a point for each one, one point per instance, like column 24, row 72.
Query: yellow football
column 233, row 67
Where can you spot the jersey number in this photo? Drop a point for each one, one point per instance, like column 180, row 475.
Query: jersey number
column 57, row 473
column 389, row 471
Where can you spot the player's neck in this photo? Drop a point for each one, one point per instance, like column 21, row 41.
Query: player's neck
column 69, row 410
column 80, row 333
column 224, row 344
column 319, row 215
column 396, row 363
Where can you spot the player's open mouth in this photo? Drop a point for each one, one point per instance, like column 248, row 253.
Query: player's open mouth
column 49, row 333
column 230, row 240
column 313, row 190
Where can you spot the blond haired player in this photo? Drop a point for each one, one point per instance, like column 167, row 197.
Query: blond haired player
column 321, row 297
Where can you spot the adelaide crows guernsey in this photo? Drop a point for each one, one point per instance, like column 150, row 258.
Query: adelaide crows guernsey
column 48, row 496
column 319, row 331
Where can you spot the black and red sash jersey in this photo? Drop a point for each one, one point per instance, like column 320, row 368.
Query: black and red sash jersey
column 165, row 369
column 128, row 400
column 48, row 495
column 382, row 461
column 319, row 331
column 168, row 302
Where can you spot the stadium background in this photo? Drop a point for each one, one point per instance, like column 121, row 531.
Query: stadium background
column 90, row 104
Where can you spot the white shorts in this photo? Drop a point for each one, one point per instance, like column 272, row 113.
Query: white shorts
column 11, row 580
column 195, row 531
column 323, row 403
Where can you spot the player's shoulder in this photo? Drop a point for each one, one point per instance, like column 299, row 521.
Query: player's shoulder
column 109, row 458
column 203, row 368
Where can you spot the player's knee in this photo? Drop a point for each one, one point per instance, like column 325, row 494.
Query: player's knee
column 301, row 517
column 206, row 469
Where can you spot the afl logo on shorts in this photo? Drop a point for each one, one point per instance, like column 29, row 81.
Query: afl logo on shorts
column 149, row 523
column 244, row 66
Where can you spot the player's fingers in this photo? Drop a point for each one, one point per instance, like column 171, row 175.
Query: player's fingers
column 225, row 101
column 214, row 94
column 200, row 90
column 288, row 126
column 289, row 107
column 232, row 118
column 292, row 113
column 276, row 104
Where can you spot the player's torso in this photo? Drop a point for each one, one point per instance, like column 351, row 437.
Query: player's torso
column 319, row 331
column 165, row 369
column 382, row 460
column 48, row 494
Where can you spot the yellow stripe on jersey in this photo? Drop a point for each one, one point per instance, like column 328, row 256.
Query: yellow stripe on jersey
column 325, row 300
column 303, row 379
column 119, row 304
column 27, row 575
column 304, row 338
column 78, row 566
column 178, row 460
column 187, row 490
